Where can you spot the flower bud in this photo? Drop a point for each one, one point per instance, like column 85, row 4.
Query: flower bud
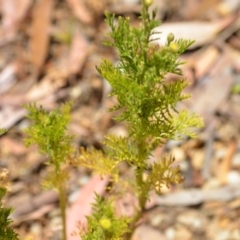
column 170, row 38
column 148, row 2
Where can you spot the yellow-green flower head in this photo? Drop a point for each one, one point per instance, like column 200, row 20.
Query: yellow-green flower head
column 148, row 2
column 174, row 47
column 105, row 223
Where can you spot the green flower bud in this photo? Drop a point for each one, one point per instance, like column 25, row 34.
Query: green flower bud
column 170, row 38
column 148, row 2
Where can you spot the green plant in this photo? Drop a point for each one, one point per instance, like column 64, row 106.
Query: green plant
column 103, row 223
column 147, row 103
column 6, row 232
column 48, row 131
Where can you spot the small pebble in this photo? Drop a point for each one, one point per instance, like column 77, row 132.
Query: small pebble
column 170, row 233
column 233, row 177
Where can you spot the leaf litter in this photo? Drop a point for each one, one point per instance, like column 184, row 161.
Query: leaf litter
column 38, row 66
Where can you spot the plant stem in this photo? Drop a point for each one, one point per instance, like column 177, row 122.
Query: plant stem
column 142, row 199
column 62, row 202
column 142, row 193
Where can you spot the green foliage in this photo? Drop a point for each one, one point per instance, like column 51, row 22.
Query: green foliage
column 163, row 174
column 148, row 101
column 2, row 131
column 103, row 223
column 6, row 232
column 124, row 149
column 48, row 132
column 98, row 162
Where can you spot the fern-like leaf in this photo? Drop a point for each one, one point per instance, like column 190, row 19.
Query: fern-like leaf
column 163, row 173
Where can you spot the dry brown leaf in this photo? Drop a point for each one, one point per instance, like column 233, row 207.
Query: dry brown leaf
column 12, row 99
column 11, row 146
column 39, row 39
column 25, row 203
column 204, row 62
column 8, row 76
column 13, row 12
column 226, row 7
column 201, row 32
column 144, row 232
column 225, row 165
column 235, row 58
column 78, row 53
column 10, row 115
column 54, row 80
column 80, row 11
column 197, row 196
column 203, row 6
column 209, row 97
column 36, row 214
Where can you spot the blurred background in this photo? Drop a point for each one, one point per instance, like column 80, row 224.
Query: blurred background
column 49, row 50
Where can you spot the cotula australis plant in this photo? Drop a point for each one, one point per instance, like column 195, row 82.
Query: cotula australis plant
column 48, row 132
column 147, row 104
